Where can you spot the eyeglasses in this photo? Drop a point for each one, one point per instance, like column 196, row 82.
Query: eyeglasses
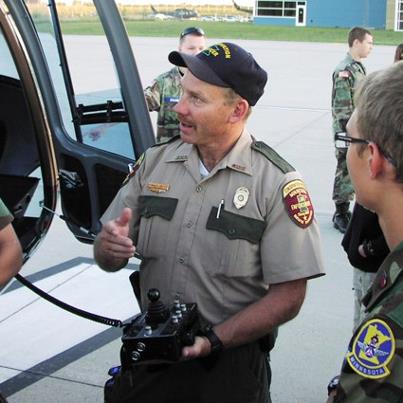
column 192, row 30
column 344, row 141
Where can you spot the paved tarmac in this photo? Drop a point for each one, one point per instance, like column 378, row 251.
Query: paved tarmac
column 49, row 355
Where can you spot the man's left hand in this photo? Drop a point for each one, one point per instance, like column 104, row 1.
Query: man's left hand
column 200, row 348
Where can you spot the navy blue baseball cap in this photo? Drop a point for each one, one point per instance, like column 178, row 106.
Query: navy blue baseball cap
column 226, row 65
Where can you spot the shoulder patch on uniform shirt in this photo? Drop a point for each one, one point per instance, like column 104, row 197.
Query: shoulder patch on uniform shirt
column 298, row 203
column 372, row 350
column 272, row 156
column 134, row 169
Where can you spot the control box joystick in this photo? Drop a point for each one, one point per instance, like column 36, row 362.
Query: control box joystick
column 160, row 333
column 157, row 312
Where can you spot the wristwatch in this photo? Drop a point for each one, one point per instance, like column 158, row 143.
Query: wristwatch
column 215, row 342
column 333, row 384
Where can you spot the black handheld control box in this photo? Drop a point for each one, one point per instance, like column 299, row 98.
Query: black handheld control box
column 159, row 334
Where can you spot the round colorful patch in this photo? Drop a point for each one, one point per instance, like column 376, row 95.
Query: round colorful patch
column 298, row 203
column 372, row 350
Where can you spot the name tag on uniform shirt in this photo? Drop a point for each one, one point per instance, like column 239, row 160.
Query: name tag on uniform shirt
column 158, row 187
column 171, row 100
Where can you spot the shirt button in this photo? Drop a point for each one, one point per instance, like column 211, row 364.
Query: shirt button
column 231, row 231
column 181, row 260
column 189, row 224
column 198, row 189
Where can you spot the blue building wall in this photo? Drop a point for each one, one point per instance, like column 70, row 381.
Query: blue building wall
column 274, row 21
column 346, row 13
column 337, row 13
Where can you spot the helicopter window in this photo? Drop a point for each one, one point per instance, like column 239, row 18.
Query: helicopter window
column 83, row 73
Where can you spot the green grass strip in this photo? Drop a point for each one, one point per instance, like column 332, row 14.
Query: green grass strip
column 230, row 30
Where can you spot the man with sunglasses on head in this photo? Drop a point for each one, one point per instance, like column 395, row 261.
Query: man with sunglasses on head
column 373, row 366
column 164, row 92
column 346, row 76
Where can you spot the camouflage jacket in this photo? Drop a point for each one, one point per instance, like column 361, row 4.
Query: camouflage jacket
column 5, row 216
column 346, row 76
column 372, row 370
column 162, row 95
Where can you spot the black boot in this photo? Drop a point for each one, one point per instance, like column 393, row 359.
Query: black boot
column 341, row 217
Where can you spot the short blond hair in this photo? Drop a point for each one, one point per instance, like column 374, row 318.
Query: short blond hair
column 379, row 108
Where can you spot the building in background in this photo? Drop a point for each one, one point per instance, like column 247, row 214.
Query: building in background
column 379, row 14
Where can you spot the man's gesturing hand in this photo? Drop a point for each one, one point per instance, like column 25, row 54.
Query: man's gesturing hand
column 114, row 241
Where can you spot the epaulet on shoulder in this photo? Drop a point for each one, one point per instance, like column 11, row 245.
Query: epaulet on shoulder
column 272, row 156
column 161, row 143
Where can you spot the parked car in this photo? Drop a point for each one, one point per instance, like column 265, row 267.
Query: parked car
column 55, row 136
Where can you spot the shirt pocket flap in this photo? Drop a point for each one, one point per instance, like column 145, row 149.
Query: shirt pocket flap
column 235, row 226
column 157, row 206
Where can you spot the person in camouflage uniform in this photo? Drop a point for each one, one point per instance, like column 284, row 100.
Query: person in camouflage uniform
column 10, row 253
column 164, row 92
column 372, row 370
column 10, row 248
column 398, row 53
column 348, row 73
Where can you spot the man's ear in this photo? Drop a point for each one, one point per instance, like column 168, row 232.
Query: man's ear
column 356, row 42
column 376, row 161
column 240, row 110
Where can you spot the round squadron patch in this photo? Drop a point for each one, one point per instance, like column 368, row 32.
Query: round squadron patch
column 372, row 350
column 298, row 203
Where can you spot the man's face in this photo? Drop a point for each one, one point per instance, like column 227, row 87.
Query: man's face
column 203, row 112
column 364, row 48
column 192, row 44
column 357, row 164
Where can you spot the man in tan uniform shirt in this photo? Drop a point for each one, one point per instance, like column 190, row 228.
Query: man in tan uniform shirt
column 221, row 220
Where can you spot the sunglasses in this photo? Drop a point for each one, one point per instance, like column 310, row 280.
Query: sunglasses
column 192, row 30
column 344, row 141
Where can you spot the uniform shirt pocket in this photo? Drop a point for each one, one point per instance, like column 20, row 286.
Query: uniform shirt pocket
column 238, row 242
column 156, row 212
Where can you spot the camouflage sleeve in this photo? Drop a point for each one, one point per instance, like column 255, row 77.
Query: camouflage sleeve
column 5, row 215
column 373, row 367
column 153, row 96
column 342, row 102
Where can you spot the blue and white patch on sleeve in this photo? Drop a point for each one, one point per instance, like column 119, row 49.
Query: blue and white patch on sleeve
column 372, row 350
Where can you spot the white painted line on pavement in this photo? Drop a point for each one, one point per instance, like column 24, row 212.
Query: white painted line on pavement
column 36, row 330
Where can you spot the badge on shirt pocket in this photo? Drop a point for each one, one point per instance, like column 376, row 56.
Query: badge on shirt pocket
column 241, row 197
